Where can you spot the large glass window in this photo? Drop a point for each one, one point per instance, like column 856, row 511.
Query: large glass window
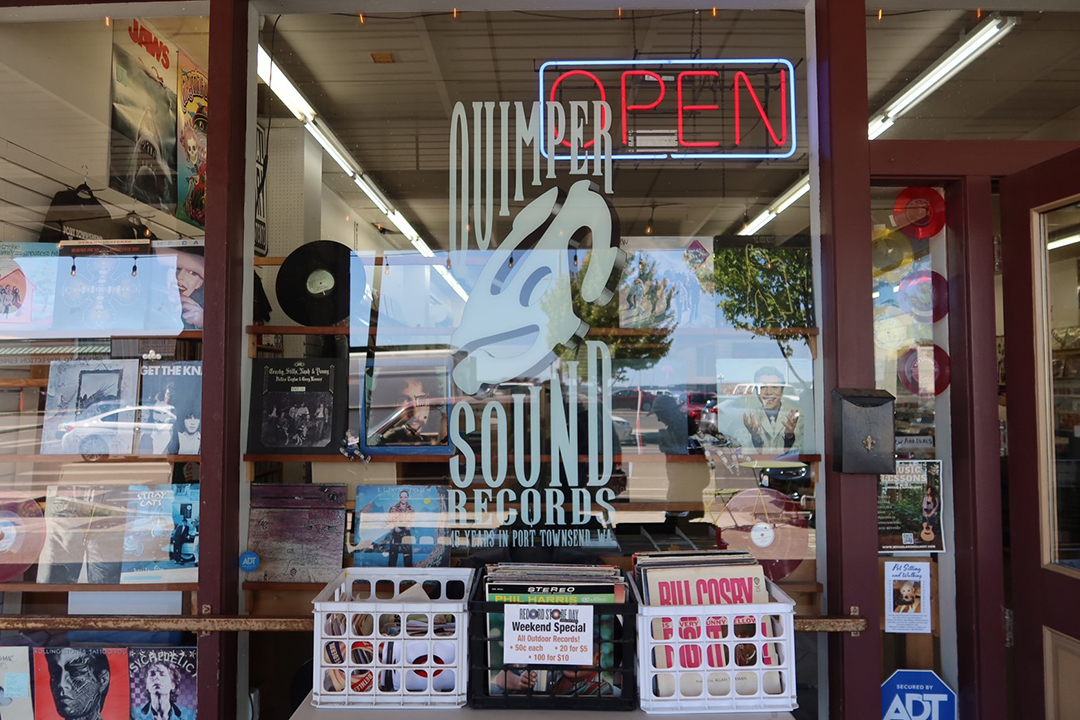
column 580, row 318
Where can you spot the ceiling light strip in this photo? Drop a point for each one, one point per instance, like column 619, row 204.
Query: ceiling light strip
column 981, row 39
column 279, row 83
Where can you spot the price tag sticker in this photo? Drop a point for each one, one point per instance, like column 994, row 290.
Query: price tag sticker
column 548, row 635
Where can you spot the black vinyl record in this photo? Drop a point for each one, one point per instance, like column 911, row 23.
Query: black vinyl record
column 313, row 283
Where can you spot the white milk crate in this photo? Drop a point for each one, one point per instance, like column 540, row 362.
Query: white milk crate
column 689, row 661
column 392, row 637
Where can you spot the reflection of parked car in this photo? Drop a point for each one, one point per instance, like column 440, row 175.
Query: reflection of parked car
column 790, row 391
column 623, row 430
column 627, row 399
column 696, row 402
column 93, row 436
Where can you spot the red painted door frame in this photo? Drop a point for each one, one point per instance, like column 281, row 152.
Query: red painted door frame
column 1044, row 598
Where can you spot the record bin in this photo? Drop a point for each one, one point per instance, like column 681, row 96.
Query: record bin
column 717, row 658
column 392, row 638
column 609, row 684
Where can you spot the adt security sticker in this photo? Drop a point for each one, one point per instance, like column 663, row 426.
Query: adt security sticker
column 917, row 695
column 249, row 561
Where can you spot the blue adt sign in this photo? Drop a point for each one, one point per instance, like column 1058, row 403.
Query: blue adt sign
column 917, row 695
column 249, row 561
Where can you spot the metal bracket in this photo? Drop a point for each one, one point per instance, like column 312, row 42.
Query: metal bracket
column 854, row 612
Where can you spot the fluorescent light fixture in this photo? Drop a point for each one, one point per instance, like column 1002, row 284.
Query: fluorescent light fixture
column 981, row 39
column 452, row 282
column 879, row 125
column 960, row 56
column 1062, row 242
column 328, row 146
column 403, row 225
column 372, row 192
column 422, row 248
column 279, row 83
column 792, row 194
column 759, row 222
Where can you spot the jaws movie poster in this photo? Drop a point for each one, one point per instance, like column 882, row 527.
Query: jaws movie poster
column 142, row 157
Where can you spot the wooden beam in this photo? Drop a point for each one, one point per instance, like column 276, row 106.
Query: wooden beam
column 910, row 160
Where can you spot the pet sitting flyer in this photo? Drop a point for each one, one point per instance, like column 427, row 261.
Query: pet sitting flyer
column 907, row 597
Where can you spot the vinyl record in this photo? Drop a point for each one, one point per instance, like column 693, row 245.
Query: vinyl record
column 919, row 212
column 22, row 534
column 892, row 328
column 924, row 370
column 924, row 294
column 769, row 525
column 890, row 251
column 313, row 283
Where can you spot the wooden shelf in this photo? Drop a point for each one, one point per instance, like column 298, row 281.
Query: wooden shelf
column 10, row 383
column 297, row 330
column 104, row 460
column 87, row 587
column 596, row 331
column 283, row 586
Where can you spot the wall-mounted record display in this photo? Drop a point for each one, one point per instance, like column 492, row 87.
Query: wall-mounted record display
column 919, row 212
column 892, row 328
column 22, row 534
column 890, row 251
column 298, row 405
column 313, row 283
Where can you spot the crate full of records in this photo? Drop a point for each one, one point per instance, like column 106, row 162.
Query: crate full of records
column 713, row 635
column 552, row 637
column 392, row 637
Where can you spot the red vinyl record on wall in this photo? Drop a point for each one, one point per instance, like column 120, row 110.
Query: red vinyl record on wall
column 924, row 370
column 924, row 295
column 770, row 526
column 919, row 212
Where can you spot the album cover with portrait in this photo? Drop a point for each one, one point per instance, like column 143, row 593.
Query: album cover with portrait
column 170, row 408
column 163, row 683
column 104, row 683
column 298, row 405
column 405, row 404
column 161, row 534
column 402, row 525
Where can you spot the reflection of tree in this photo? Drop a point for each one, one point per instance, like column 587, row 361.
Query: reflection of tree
column 646, row 346
column 767, row 290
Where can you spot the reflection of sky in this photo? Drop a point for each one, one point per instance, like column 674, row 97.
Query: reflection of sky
column 416, row 306
column 103, row 297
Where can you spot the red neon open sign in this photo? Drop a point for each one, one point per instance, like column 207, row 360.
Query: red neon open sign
column 684, row 109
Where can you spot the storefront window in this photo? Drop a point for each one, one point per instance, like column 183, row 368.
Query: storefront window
column 102, row 186
column 569, row 334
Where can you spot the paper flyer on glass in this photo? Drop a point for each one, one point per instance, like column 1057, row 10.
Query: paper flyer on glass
column 907, row 597
column 910, row 508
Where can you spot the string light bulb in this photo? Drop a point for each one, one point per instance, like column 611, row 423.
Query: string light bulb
column 745, row 220
column 386, row 266
column 511, row 260
column 72, row 267
column 455, row 13
column 649, row 226
column 978, row 13
column 575, row 258
column 714, row 12
column 134, row 267
column 108, row 21
column 362, row 18
column 620, row 12
column 880, row 12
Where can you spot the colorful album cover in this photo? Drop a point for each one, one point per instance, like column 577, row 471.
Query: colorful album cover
column 298, row 405
column 142, row 162
column 15, row 700
column 84, row 534
column 161, row 536
column 170, row 408
column 163, row 683
column 81, row 682
column 191, row 131
column 401, row 525
column 27, row 288
column 668, row 288
column 361, row 295
column 90, row 407
column 297, row 531
column 910, row 508
column 102, row 295
column 765, row 405
column 176, row 290
column 406, row 403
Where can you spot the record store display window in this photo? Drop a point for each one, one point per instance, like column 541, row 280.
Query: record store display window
column 102, row 190
column 523, row 292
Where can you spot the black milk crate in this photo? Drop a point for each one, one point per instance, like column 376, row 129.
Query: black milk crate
column 610, row 684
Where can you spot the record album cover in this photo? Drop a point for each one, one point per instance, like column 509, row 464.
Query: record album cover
column 297, row 531
column 163, row 683
column 102, row 683
column 298, row 405
column 84, row 534
column 161, row 536
column 170, row 408
column 15, row 700
column 401, row 524
column 90, row 407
